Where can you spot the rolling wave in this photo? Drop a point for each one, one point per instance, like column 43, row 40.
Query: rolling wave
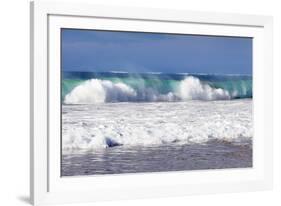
column 138, row 89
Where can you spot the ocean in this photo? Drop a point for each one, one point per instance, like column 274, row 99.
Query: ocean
column 117, row 122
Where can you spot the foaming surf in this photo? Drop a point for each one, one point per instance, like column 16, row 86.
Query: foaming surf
column 98, row 126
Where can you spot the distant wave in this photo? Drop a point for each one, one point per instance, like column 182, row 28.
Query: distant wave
column 119, row 72
column 152, row 90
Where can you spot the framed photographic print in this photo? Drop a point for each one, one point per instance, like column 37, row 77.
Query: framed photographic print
column 140, row 103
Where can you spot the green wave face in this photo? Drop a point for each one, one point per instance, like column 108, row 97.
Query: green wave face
column 161, row 84
column 69, row 84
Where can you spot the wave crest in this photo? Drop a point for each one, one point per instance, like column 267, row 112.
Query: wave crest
column 191, row 88
column 99, row 91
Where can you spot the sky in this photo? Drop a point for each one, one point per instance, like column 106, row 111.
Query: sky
column 93, row 50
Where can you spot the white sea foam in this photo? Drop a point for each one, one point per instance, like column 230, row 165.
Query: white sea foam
column 99, row 91
column 191, row 88
column 129, row 124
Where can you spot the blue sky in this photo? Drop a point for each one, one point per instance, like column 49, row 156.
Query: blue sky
column 90, row 50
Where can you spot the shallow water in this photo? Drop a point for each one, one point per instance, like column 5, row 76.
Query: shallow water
column 160, row 158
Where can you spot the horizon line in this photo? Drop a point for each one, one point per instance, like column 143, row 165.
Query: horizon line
column 180, row 73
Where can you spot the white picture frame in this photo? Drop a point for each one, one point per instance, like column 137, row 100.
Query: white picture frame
column 46, row 184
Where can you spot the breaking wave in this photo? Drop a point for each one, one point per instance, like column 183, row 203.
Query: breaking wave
column 145, row 90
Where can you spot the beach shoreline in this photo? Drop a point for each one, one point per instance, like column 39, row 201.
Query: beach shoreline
column 164, row 158
column 117, row 138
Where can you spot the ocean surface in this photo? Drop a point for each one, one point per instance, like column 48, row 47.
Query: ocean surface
column 118, row 122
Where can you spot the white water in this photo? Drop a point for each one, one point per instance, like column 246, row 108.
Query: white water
column 98, row 91
column 103, row 125
column 192, row 89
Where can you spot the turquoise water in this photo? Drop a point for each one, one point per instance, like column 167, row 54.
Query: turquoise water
column 145, row 85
